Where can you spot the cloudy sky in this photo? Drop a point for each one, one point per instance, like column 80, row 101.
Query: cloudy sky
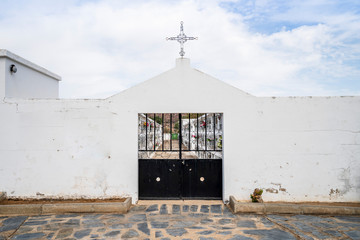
column 264, row 47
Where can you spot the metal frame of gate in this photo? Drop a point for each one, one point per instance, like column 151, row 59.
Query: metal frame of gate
column 181, row 169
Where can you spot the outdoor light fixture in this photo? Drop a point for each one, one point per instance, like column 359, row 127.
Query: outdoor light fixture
column 13, row 68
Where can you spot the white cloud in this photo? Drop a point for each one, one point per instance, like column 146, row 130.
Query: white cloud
column 103, row 47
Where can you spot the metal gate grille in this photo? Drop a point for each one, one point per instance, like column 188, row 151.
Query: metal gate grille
column 184, row 135
column 180, row 155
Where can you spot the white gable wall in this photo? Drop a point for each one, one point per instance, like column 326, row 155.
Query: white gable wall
column 305, row 149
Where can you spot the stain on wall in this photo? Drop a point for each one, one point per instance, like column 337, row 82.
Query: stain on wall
column 276, row 189
column 272, row 190
column 334, row 193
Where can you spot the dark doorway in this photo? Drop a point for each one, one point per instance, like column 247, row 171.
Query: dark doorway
column 180, row 156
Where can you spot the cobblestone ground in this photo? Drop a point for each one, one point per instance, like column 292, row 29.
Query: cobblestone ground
column 172, row 221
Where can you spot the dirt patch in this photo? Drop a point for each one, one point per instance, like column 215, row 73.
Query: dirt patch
column 54, row 201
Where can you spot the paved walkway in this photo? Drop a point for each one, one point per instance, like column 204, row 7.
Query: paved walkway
column 173, row 155
column 208, row 220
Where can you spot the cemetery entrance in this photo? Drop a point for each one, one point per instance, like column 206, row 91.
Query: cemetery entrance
column 180, row 155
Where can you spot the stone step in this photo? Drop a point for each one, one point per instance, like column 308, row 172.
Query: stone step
column 182, row 208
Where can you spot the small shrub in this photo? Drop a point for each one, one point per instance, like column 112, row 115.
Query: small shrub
column 256, row 196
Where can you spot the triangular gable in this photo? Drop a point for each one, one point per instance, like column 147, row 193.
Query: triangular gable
column 181, row 80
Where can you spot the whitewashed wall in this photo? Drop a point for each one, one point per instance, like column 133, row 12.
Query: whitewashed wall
column 297, row 149
column 30, row 80
column 2, row 78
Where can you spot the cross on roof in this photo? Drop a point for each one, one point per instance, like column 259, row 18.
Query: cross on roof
column 181, row 38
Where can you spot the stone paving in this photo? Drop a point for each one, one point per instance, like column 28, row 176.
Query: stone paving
column 175, row 221
column 173, row 155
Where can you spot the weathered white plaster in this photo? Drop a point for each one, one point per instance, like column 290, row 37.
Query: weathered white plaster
column 306, row 148
column 2, row 78
column 30, row 80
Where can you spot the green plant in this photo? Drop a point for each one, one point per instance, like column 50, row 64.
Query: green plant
column 219, row 142
column 158, row 119
column 256, row 196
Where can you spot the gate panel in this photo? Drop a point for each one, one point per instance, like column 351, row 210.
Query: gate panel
column 202, row 179
column 180, row 155
column 160, row 179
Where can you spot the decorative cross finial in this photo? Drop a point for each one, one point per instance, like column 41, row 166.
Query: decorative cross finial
column 181, row 38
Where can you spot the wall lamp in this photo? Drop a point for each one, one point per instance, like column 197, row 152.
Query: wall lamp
column 13, row 68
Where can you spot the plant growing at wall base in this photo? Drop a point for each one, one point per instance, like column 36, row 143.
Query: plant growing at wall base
column 256, row 196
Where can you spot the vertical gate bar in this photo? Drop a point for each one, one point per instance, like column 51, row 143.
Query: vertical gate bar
column 170, row 131
column 189, row 133
column 146, row 119
column 214, row 133
column 180, row 136
column 205, row 132
column 197, row 131
column 162, row 131
column 154, row 131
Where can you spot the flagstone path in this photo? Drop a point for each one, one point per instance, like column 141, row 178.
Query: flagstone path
column 179, row 221
column 173, row 155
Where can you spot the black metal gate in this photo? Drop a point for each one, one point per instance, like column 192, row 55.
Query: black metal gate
column 180, row 156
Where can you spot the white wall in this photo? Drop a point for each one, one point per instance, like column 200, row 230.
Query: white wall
column 30, row 80
column 305, row 148
column 64, row 149
column 27, row 83
column 297, row 149
column 2, row 78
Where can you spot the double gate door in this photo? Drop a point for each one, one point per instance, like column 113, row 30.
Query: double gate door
column 180, row 156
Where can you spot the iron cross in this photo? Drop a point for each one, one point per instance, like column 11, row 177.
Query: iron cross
column 181, row 38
